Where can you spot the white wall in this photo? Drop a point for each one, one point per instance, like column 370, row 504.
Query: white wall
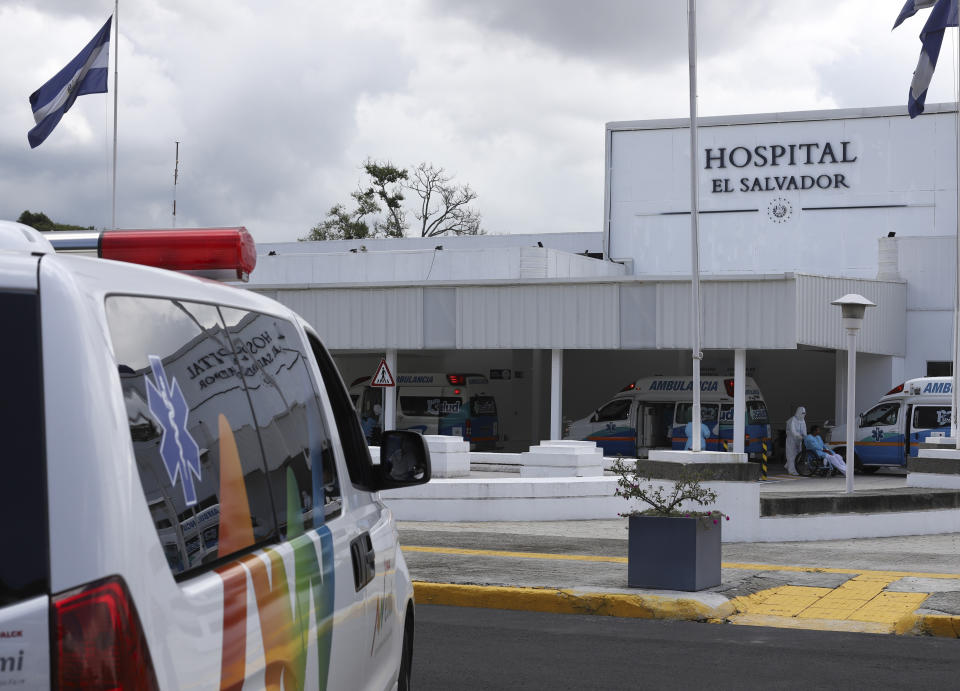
column 929, row 267
column 903, row 179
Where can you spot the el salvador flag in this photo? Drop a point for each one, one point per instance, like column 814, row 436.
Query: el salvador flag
column 85, row 74
column 943, row 14
column 911, row 8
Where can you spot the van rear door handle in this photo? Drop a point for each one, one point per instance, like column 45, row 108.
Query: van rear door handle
column 364, row 560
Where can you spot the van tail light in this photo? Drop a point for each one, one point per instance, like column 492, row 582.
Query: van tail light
column 469, row 429
column 228, row 254
column 728, row 385
column 455, row 379
column 99, row 641
column 629, row 387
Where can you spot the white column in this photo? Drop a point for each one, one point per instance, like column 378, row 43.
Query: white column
column 739, row 398
column 851, row 402
column 390, row 393
column 556, row 393
column 536, row 395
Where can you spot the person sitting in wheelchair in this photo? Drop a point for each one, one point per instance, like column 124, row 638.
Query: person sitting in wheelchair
column 814, row 443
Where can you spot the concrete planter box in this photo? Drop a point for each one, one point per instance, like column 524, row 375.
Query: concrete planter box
column 673, row 553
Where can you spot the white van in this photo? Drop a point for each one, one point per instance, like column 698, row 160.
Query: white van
column 187, row 497
column 892, row 430
column 652, row 412
column 452, row 404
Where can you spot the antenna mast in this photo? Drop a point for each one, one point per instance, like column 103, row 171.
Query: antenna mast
column 176, row 167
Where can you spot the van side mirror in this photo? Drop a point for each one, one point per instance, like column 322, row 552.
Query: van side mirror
column 404, row 460
column 593, row 418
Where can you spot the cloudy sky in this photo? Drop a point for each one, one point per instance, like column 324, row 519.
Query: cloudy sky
column 276, row 105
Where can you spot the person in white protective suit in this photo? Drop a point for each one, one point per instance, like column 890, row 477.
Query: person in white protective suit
column 796, row 431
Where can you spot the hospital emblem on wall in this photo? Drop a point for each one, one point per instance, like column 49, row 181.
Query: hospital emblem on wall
column 779, row 210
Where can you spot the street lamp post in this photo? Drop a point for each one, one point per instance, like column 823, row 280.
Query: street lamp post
column 852, row 307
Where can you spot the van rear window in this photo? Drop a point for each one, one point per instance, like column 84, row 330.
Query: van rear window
column 757, row 413
column 482, row 406
column 23, row 498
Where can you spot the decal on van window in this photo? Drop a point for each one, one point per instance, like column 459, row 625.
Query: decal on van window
column 443, row 406
column 180, row 453
column 283, row 612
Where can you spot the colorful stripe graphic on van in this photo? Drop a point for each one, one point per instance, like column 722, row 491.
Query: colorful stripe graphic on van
column 284, row 617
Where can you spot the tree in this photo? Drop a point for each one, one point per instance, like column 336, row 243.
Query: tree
column 384, row 184
column 444, row 206
column 40, row 221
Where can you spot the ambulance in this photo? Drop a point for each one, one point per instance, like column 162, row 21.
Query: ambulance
column 652, row 412
column 453, row 404
column 891, row 431
column 187, row 501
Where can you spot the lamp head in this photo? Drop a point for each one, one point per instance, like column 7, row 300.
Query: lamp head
column 852, row 307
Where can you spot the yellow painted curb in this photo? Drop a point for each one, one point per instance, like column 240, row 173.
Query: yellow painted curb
column 639, row 606
column 942, row 625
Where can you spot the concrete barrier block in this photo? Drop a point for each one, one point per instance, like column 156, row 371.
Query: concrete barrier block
column 449, row 456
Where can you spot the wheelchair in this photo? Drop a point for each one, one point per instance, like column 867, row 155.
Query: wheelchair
column 809, row 464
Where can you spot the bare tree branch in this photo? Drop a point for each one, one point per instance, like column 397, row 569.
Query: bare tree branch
column 444, row 206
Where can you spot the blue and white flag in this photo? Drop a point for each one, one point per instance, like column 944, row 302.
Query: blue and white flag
column 85, row 74
column 943, row 14
column 911, row 8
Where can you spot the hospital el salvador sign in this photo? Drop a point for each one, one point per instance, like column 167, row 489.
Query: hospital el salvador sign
column 778, row 167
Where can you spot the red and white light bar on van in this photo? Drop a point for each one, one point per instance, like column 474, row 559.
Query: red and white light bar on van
column 227, row 254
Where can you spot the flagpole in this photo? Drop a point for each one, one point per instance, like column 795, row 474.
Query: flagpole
column 954, row 432
column 116, row 69
column 694, row 227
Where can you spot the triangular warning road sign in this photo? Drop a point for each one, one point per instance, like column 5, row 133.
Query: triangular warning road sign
column 382, row 376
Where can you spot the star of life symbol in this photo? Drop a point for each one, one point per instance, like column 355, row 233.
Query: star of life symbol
column 877, row 434
column 179, row 451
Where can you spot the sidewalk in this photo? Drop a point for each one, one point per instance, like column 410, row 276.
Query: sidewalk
column 904, row 585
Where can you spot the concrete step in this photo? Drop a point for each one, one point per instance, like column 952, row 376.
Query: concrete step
column 890, row 500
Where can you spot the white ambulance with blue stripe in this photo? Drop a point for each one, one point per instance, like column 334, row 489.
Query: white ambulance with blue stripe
column 652, row 413
column 891, row 431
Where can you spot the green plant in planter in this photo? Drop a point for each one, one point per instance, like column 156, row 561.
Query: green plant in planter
column 671, row 545
column 635, row 484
